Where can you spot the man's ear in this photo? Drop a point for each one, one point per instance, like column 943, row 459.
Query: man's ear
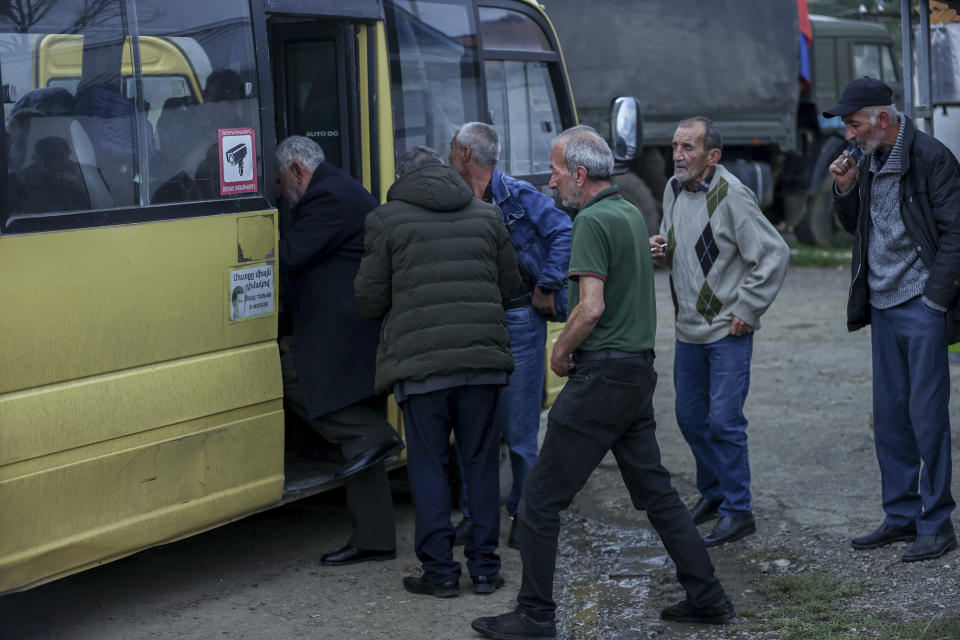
column 713, row 157
column 580, row 175
column 883, row 119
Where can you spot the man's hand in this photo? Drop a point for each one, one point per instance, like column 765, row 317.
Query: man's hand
column 543, row 302
column 560, row 363
column 286, row 344
column 658, row 247
column 739, row 328
column 844, row 170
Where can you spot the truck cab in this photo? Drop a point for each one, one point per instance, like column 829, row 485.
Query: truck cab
column 842, row 50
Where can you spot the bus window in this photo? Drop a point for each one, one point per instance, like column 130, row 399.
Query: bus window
column 100, row 120
column 434, row 70
column 524, row 111
column 521, row 97
column 67, row 149
column 214, row 39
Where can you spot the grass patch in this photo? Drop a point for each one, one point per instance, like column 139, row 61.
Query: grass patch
column 935, row 629
column 802, row 255
column 816, row 589
column 809, row 606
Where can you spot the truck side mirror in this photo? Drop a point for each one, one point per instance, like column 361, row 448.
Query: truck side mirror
column 626, row 128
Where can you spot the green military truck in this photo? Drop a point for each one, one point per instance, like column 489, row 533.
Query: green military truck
column 739, row 63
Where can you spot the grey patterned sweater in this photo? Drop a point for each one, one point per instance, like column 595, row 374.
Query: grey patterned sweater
column 895, row 272
column 725, row 257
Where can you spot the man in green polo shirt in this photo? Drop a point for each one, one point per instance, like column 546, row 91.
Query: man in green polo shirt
column 606, row 349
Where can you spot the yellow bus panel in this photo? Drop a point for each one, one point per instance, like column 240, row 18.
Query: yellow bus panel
column 133, row 410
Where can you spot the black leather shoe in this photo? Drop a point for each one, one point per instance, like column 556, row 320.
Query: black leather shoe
column 487, row 584
column 371, row 456
column 352, row 555
column 730, row 528
column 686, row 612
column 512, row 541
column 421, row 586
column 882, row 536
column 515, row 626
column 704, row 510
column 461, row 534
column 928, row 547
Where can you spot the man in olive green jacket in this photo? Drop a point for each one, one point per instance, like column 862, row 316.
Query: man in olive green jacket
column 439, row 268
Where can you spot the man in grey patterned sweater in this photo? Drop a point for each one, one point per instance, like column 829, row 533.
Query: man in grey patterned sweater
column 903, row 207
column 727, row 264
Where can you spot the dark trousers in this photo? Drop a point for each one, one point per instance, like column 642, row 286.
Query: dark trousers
column 428, row 419
column 911, row 420
column 355, row 429
column 605, row 405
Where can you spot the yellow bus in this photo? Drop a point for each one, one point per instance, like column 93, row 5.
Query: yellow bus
column 140, row 303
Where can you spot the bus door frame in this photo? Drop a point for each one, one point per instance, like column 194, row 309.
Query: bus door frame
column 342, row 12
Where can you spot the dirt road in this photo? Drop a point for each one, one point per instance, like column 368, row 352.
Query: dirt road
column 815, row 482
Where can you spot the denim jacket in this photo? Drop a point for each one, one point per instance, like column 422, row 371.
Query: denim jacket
column 540, row 233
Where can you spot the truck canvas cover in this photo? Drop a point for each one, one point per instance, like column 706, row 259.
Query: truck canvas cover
column 735, row 61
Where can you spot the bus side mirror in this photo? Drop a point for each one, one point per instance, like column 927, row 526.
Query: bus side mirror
column 626, row 128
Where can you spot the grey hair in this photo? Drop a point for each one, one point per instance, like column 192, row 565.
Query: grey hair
column 413, row 159
column 711, row 132
column 875, row 110
column 298, row 148
column 483, row 141
column 584, row 147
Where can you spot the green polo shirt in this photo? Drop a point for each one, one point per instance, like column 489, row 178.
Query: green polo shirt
column 610, row 242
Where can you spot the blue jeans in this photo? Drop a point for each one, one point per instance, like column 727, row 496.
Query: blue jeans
column 428, row 419
column 911, row 421
column 518, row 405
column 712, row 381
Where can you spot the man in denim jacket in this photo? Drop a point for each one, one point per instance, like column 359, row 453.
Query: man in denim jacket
column 541, row 240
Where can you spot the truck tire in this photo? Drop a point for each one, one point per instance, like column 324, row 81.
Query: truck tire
column 819, row 227
column 635, row 191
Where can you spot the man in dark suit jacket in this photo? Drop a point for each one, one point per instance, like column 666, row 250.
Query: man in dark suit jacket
column 328, row 372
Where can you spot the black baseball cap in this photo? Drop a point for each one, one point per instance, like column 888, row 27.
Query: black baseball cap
column 860, row 93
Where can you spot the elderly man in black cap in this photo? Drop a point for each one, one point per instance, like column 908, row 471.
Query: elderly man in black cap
column 901, row 200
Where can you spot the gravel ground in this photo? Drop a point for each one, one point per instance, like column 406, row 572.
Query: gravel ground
column 815, row 480
column 815, row 485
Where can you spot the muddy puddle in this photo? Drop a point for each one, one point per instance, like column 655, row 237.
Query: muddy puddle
column 604, row 578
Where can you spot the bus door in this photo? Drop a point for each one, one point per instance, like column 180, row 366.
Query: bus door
column 317, row 94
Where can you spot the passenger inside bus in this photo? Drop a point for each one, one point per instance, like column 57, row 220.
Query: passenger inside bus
column 50, row 158
column 188, row 135
column 39, row 103
column 52, row 182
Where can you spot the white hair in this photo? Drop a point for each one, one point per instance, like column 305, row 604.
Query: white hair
column 300, row 148
column 584, row 147
column 483, row 141
column 875, row 110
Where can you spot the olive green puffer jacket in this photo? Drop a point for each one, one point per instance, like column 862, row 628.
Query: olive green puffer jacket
column 438, row 267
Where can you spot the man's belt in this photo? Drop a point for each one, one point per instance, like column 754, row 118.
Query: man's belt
column 608, row 354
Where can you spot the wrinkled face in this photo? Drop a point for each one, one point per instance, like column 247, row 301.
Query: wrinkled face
column 455, row 157
column 561, row 180
column 290, row 185
column 690, row 160
column 863, row 134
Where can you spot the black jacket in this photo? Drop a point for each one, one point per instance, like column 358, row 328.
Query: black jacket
column 334, row 346
column 438, row 266
column 930, row 207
